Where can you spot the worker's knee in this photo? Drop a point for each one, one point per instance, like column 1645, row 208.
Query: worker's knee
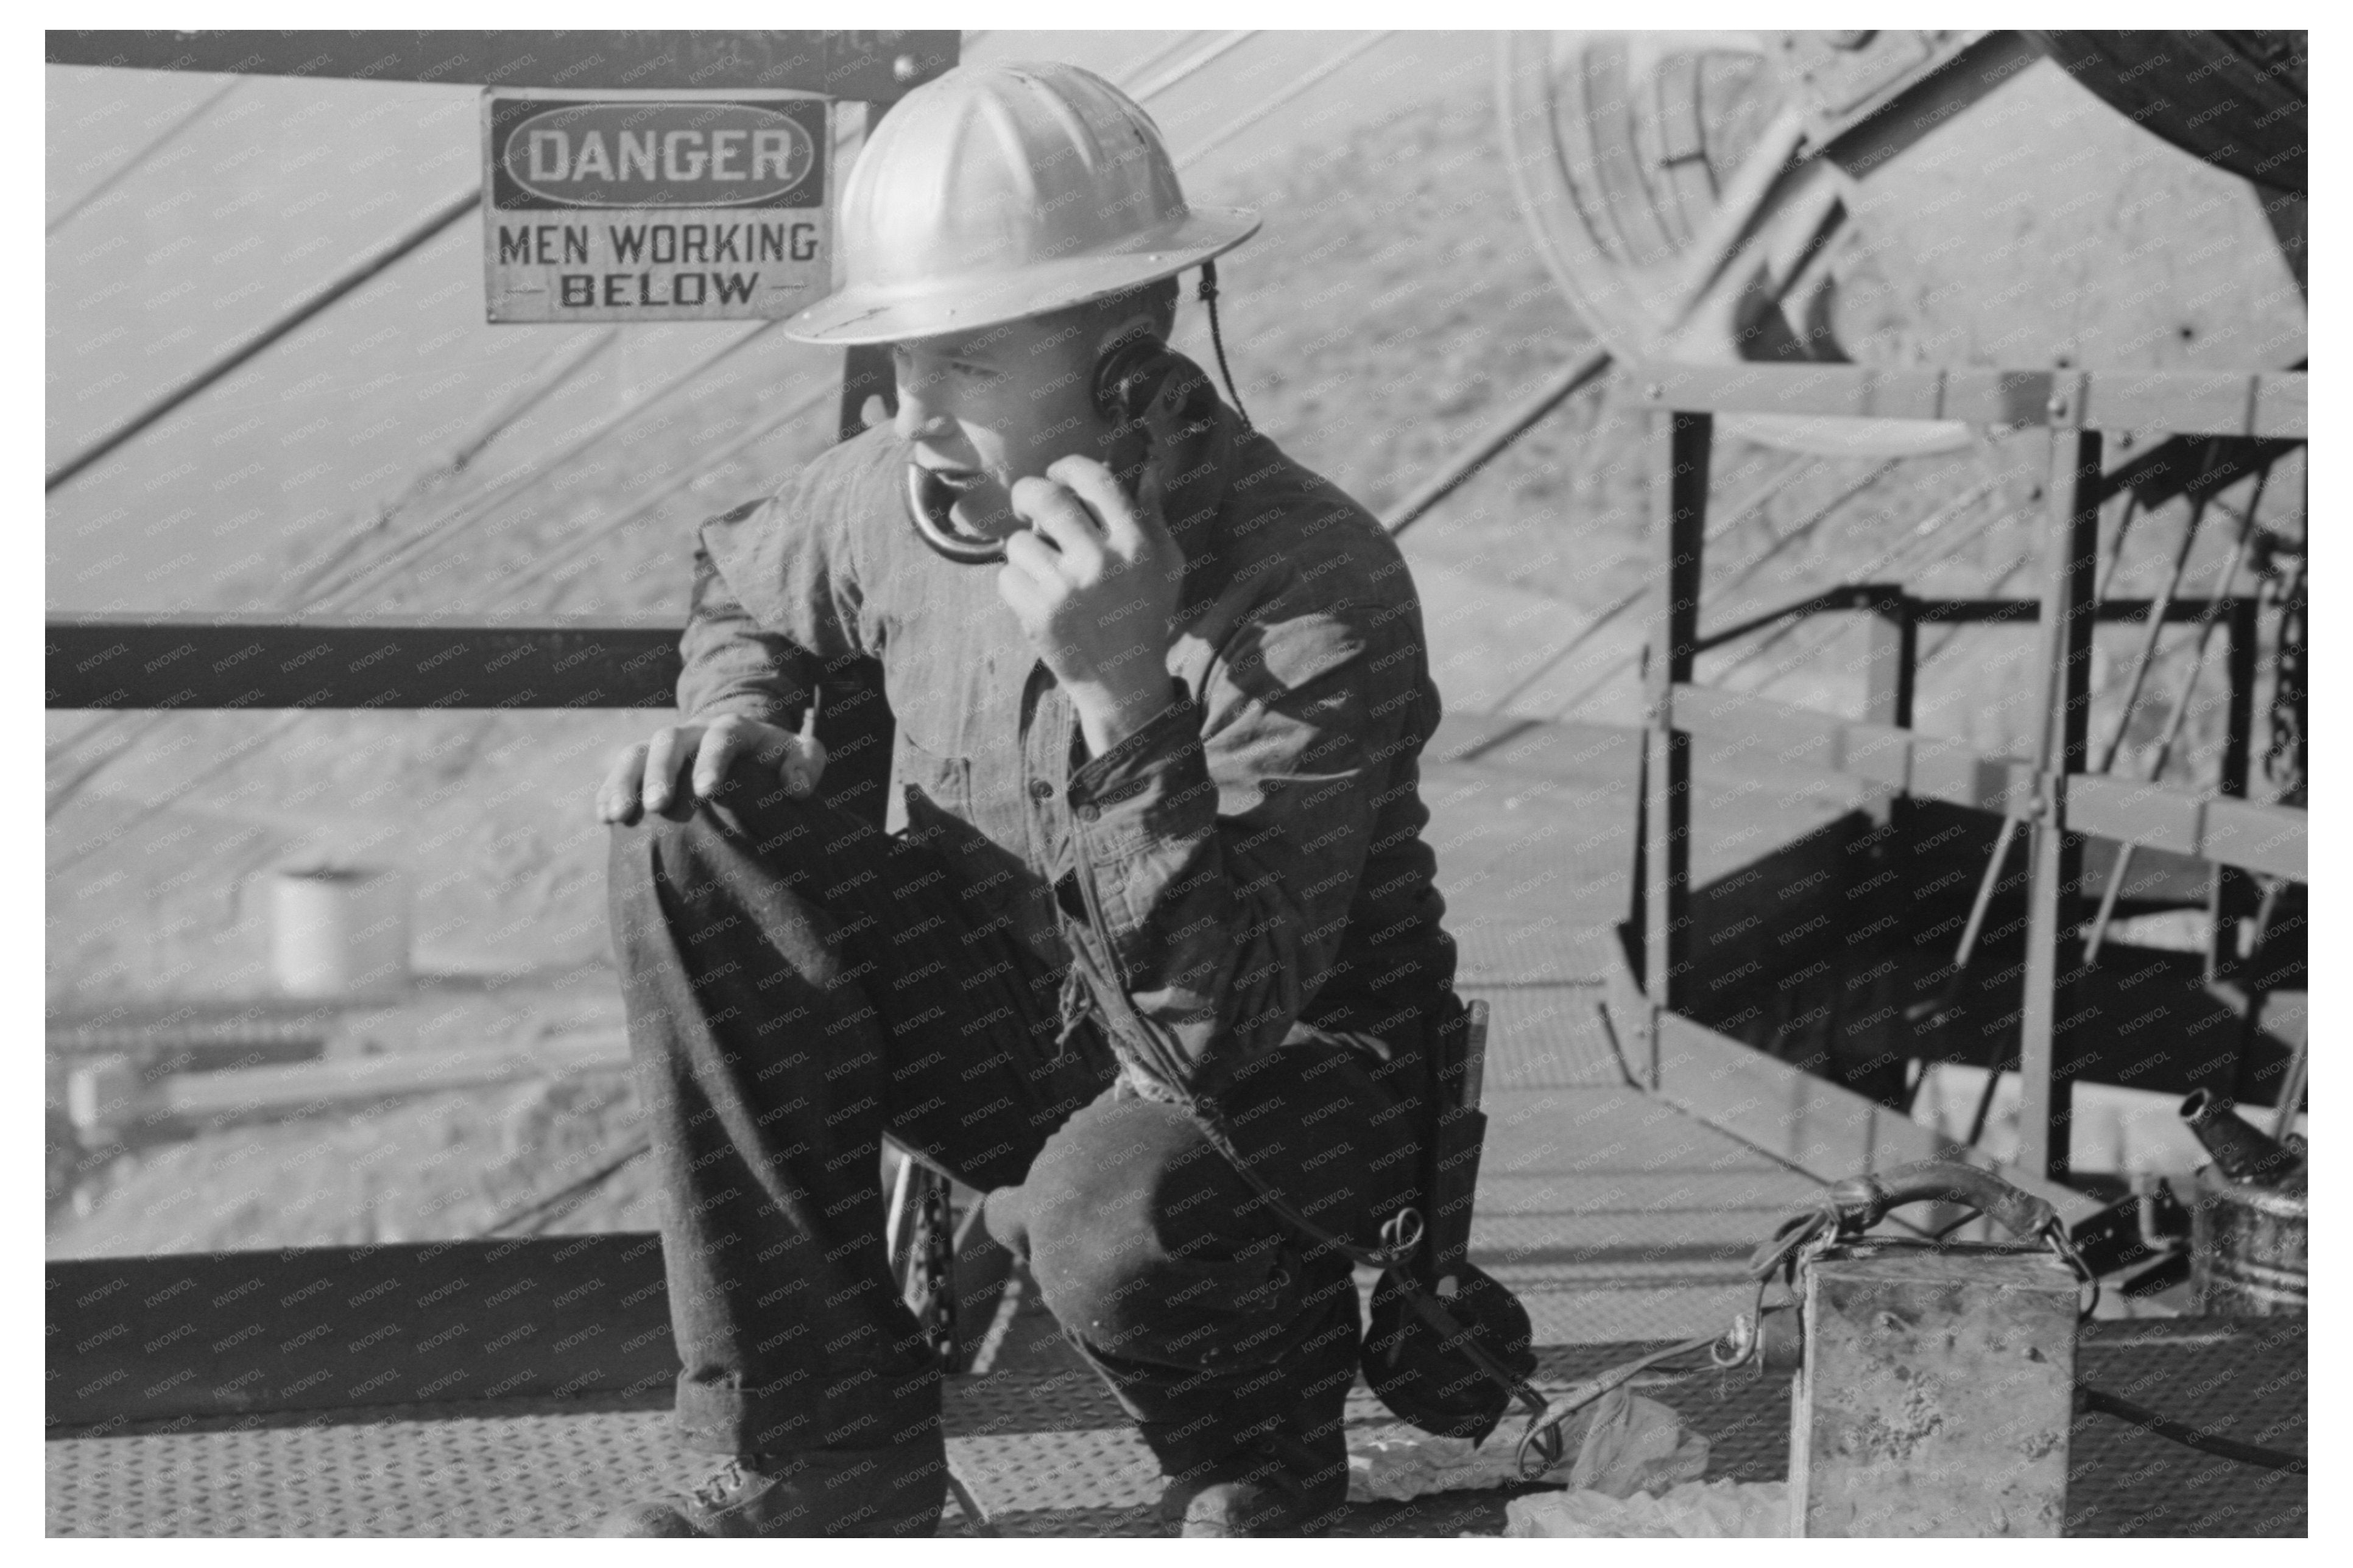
column 700, row 882
column 694, row 835
column 1144, row 1241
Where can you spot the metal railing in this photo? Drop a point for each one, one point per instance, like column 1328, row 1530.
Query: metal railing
column 2052, row 797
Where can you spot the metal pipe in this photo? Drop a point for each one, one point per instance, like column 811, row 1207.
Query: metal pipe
column 1942, row 1008
column 2147, row 654
column 2116, row 560
column 1998, row 1056
column 2291, row 1095
column 1846, row 597
column 2256, row 980
column 2214, row 603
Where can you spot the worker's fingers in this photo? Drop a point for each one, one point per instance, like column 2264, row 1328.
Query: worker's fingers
column 1080, row 541
column 1039, row 562
column 722, row 744
column 665, row 754
column 617, row 797
column 1043, row 503
column 874, row 411
column 1131, row 534
column 1022, row 593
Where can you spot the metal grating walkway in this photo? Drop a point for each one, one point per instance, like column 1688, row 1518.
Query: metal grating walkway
column 1048, row 1453
column 1617, row 1218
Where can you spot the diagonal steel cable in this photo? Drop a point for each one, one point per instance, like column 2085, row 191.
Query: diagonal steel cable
column 509, row 488
column 1153, row 58
column 1780, row 542
column 1199, row 62
column 137, row 161
column 680, row 481
column 1345, row 56
column 454, row 466
column 1765, row 490
column 416, row 239
column 1921, row 534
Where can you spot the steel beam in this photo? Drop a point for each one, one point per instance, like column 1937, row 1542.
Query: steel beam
column 2205, row 403
column 1746, row 731
column 1678, row 536
column 266, row 662
column 1983, row 611
column 841, row 64
column 2072, row 559
column 2233, row 895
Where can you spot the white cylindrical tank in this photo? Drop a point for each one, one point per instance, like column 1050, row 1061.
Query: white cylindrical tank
column 339, row 930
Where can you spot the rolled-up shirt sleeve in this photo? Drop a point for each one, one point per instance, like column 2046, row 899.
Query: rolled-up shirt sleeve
column 1224, row 844
column 732, row 665
column 773, row 598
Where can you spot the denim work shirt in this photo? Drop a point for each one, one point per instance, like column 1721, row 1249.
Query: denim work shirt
column 1253, row 855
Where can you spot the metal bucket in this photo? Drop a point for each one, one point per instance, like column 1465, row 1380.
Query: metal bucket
column 2247, row 1249
column 340, row 932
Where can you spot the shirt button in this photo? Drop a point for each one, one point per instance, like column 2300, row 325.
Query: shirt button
column 1040, row 790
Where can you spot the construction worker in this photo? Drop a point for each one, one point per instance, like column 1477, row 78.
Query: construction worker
column 1152, row 841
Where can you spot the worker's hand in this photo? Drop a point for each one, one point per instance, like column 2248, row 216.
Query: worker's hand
column 647, row 777
column 1094, row 581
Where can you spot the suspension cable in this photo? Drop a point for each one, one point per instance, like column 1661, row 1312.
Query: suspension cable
column 1933, row 521
column 417, row 545
column 138, row 160
column 1219, row 50
column 1361, row 47
column 1765, row 490
column 435, row 223
column 456, row 463
column 1154, row 59
column 1920, row 533
column 682, row 480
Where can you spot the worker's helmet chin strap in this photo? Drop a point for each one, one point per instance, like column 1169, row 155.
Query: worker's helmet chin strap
column 1218, row 342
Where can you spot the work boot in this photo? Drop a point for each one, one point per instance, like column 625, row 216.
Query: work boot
column 1275, row 1484
column 890, row 1491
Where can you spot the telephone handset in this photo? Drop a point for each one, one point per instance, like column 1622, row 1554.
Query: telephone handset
column 1127, row 379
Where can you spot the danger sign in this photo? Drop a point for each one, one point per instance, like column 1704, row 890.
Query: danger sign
column 655, row 206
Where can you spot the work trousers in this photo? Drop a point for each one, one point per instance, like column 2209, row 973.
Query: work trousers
column 799, row 983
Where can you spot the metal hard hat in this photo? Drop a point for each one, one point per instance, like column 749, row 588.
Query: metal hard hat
column 1004, row 191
